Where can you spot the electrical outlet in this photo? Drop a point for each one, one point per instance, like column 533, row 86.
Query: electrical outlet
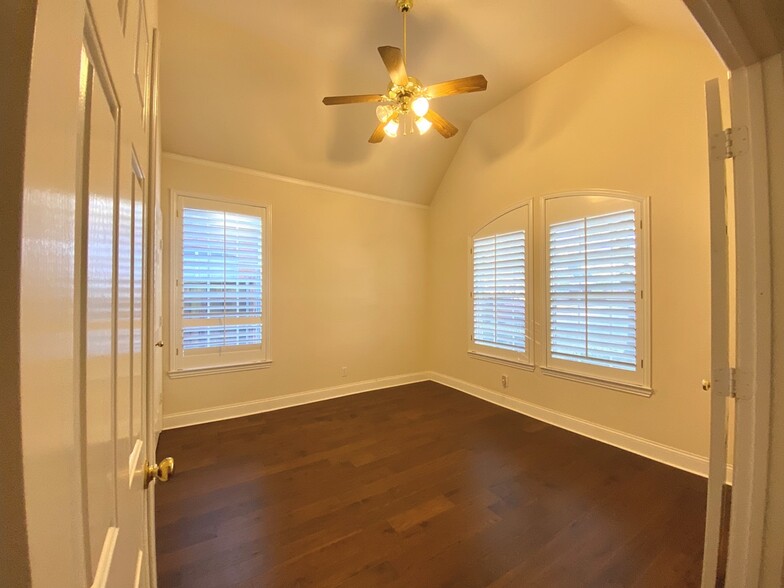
column 344, row 372
column 504, row 381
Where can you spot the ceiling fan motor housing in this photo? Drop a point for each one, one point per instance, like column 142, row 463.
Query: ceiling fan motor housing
column 404, row 95
column 405, row 5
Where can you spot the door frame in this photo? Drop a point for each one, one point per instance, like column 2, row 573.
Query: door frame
column 753, row 334
column 754, row 303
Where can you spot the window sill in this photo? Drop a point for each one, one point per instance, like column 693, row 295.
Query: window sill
column 220, row 369
column 602, row 383
column 502, row 360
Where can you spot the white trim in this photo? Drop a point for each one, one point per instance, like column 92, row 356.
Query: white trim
column 529, row 367
column 220, row 369
column 640, row 379
column 289, row 180
column 600, row 382
column 230, row 411
column 683, row 460
column 754, row 316
column 241, row 358
column 488, row 351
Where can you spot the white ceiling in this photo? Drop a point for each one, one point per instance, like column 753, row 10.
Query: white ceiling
column 242, row 81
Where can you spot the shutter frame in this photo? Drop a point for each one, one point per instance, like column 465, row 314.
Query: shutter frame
column 635, row 378
column 500, row 300
column 219, row 301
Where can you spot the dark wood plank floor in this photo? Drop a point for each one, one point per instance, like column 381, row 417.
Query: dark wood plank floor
column 418, row 486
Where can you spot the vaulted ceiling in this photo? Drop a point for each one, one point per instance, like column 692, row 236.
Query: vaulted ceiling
column 242, row 81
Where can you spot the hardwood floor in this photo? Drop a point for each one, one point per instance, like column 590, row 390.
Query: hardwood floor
column 418, row 486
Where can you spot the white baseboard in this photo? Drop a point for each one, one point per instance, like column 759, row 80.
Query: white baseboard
column 672, row 456
column 683, row 460
column 230, row 411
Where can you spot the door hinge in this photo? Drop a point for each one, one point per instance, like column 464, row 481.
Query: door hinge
column 730, row 143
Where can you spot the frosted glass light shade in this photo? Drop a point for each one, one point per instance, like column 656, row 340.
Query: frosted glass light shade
column 423, row 125
column 420, row 106
column 391, row 128
column 383, row 112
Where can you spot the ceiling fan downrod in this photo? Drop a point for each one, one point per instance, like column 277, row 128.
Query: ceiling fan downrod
column 405, row 7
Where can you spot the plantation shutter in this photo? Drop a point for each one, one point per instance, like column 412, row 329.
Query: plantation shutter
column 221, row 279
column 499, row 290
column 593, row 290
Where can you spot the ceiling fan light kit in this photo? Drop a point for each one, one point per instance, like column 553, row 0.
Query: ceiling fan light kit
column 405, row 105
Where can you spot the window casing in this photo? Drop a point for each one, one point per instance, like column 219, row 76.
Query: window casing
column 499, row 310
column 219, row 285
column 596, row 276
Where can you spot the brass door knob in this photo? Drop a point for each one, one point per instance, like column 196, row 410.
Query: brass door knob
column 706, row 385
column 159, row 344
column 158, row 471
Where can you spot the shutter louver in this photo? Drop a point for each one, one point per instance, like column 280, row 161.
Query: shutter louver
column 593, row 290
column 221, row 279
column 499, row 291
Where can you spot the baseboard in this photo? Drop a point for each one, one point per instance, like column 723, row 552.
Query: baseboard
column 672, row 456
column 680, row 459
column 230, row 411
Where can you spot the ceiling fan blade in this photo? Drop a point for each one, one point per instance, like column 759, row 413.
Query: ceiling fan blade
column 443, row 126
column 378, row 134
column 459, row 86
column 332, row 100
column 393, row 60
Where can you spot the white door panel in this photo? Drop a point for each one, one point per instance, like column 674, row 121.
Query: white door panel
column 721, row 378
column 84, row 303
column 100, row 134
column 111, row 246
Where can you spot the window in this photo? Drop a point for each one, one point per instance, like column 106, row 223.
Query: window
column 596, row 276
column 499, row 304
column 219, row 284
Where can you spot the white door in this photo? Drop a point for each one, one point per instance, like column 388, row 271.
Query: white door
column 115, row 77
column 90, row 100
column 720, row 384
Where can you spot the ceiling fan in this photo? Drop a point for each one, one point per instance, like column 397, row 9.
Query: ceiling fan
column 406, row 102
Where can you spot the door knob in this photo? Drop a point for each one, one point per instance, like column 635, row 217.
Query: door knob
column 158, row 471
column 159, row 344
column 706, row 385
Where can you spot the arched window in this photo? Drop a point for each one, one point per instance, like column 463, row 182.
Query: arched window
column 500, row 325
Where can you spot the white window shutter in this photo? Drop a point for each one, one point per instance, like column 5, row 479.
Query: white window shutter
column 593, row 290
column 221, row 279
column 499, row 291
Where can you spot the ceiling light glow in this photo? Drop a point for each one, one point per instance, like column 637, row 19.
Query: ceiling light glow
column 420, row 106
column 423, row 125
column 391, row 128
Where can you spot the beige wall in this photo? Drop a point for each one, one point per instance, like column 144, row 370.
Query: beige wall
column 347, row 279
column 627, row 115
